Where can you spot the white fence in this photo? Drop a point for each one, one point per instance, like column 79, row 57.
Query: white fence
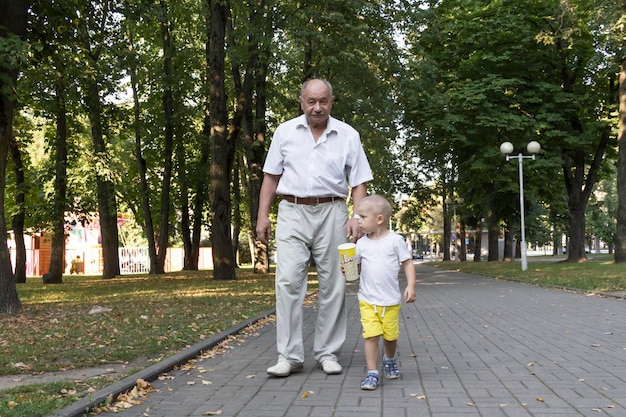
column 132, row 260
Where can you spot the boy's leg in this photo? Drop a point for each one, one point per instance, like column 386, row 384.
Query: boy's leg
column 391, row 332
column 371, row 353
column 390, row 348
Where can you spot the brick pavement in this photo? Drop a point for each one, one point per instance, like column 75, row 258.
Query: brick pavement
column 469, row 346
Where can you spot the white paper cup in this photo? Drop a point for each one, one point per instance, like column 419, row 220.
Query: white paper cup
column 347, row 257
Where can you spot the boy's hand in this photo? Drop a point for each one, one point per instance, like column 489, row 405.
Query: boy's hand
column 409, row 295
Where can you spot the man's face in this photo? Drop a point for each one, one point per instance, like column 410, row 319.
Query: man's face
column 316, row 103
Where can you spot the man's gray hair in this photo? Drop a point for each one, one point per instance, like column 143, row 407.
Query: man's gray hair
column 328, row 85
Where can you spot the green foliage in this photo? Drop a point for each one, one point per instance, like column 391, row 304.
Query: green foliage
column 517, row 71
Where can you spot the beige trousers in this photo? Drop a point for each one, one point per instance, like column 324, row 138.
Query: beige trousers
column 303, row 232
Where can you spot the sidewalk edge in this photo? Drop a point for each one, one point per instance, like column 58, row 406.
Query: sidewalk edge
column 84, row 405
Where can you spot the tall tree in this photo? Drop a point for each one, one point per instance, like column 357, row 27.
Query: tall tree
column 57, row 258
column 168, row 137
column 95, row 26
column 511, row 70
column 620, row 234
column 18, row 219
column 13, row 18
column 222, row 146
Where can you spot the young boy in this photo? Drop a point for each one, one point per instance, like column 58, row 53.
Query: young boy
column 380, row 254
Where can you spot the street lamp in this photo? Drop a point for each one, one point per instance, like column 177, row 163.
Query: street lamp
column 450, row 202
column 507, row 149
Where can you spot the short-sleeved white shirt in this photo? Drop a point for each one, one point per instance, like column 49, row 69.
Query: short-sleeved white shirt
column 380, row 261
column 325, row 168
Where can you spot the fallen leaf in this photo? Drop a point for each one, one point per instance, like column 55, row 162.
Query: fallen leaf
column 205, row 382
column 305, row 394
column 250, row 376
column 418, row 396
column 213, row 413
column 540, row 399
column 471, row 404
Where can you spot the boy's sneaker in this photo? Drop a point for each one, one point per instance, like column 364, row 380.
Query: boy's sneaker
column 391, row 368
column 370, row 382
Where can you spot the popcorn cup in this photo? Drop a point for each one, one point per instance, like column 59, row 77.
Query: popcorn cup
column 347, row 257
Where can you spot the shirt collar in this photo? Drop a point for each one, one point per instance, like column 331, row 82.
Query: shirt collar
column 330, row 127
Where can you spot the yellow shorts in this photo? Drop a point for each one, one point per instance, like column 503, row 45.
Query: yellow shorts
column 380, row 320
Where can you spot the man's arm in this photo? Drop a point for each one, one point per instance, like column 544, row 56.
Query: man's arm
column 352, row 229
column 266, row 198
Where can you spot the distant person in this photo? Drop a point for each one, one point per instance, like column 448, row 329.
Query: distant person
column 76, row 266
column 314, row 162
column 379, row 254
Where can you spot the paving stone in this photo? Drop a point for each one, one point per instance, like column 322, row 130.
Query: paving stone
column 469, row 346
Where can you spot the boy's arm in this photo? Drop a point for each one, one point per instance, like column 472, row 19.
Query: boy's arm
column 409, row 271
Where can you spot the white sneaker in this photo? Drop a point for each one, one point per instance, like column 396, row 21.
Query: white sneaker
column 284, row 368
column 331, row 367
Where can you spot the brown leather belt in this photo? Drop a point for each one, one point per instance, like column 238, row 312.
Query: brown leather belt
column 310, row 201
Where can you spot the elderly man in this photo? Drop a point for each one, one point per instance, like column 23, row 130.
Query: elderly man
column 314, row 162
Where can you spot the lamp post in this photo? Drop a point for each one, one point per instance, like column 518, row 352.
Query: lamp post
column 507, row 149
column 450, row 202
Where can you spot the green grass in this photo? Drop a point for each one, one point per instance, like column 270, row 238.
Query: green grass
column 142, row 319
column 154, row 317
column 598, row 275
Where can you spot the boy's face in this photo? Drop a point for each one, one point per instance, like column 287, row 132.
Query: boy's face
column 368, row 220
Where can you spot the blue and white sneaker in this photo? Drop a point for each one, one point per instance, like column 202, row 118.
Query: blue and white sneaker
column 370, row 382
column 391, row 368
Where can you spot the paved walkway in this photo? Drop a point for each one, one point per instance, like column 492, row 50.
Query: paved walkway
column 469, row 346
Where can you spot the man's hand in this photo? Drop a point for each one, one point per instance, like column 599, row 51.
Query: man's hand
column 263, row 230
column 352, row 229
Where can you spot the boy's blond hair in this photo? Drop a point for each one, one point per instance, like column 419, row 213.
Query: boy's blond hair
column 378, row 204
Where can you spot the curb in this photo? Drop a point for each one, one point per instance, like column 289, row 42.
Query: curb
column 84, row 405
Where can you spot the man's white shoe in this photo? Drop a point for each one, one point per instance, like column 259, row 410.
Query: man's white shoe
column 284, row 368
column 331, row 367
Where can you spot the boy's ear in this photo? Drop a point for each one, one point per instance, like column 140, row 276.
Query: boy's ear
column 380, row 219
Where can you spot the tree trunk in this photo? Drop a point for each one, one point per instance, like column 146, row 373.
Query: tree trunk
column 57, row 256
column 447, row 228
column 141, row 162
column 17, row 221
column 185, row 220
column 107, row 206
column 13, row 17
column 478, row 242
column 620, row 234
column 576, row 247
column 579, row 189
column 462, row 245
column 256, row 154
column 168, row 148
column 508, row 245
column 222, row 148
column 493, row 236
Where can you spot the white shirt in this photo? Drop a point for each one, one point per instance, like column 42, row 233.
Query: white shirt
column 380, row 261
column 317, row 169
